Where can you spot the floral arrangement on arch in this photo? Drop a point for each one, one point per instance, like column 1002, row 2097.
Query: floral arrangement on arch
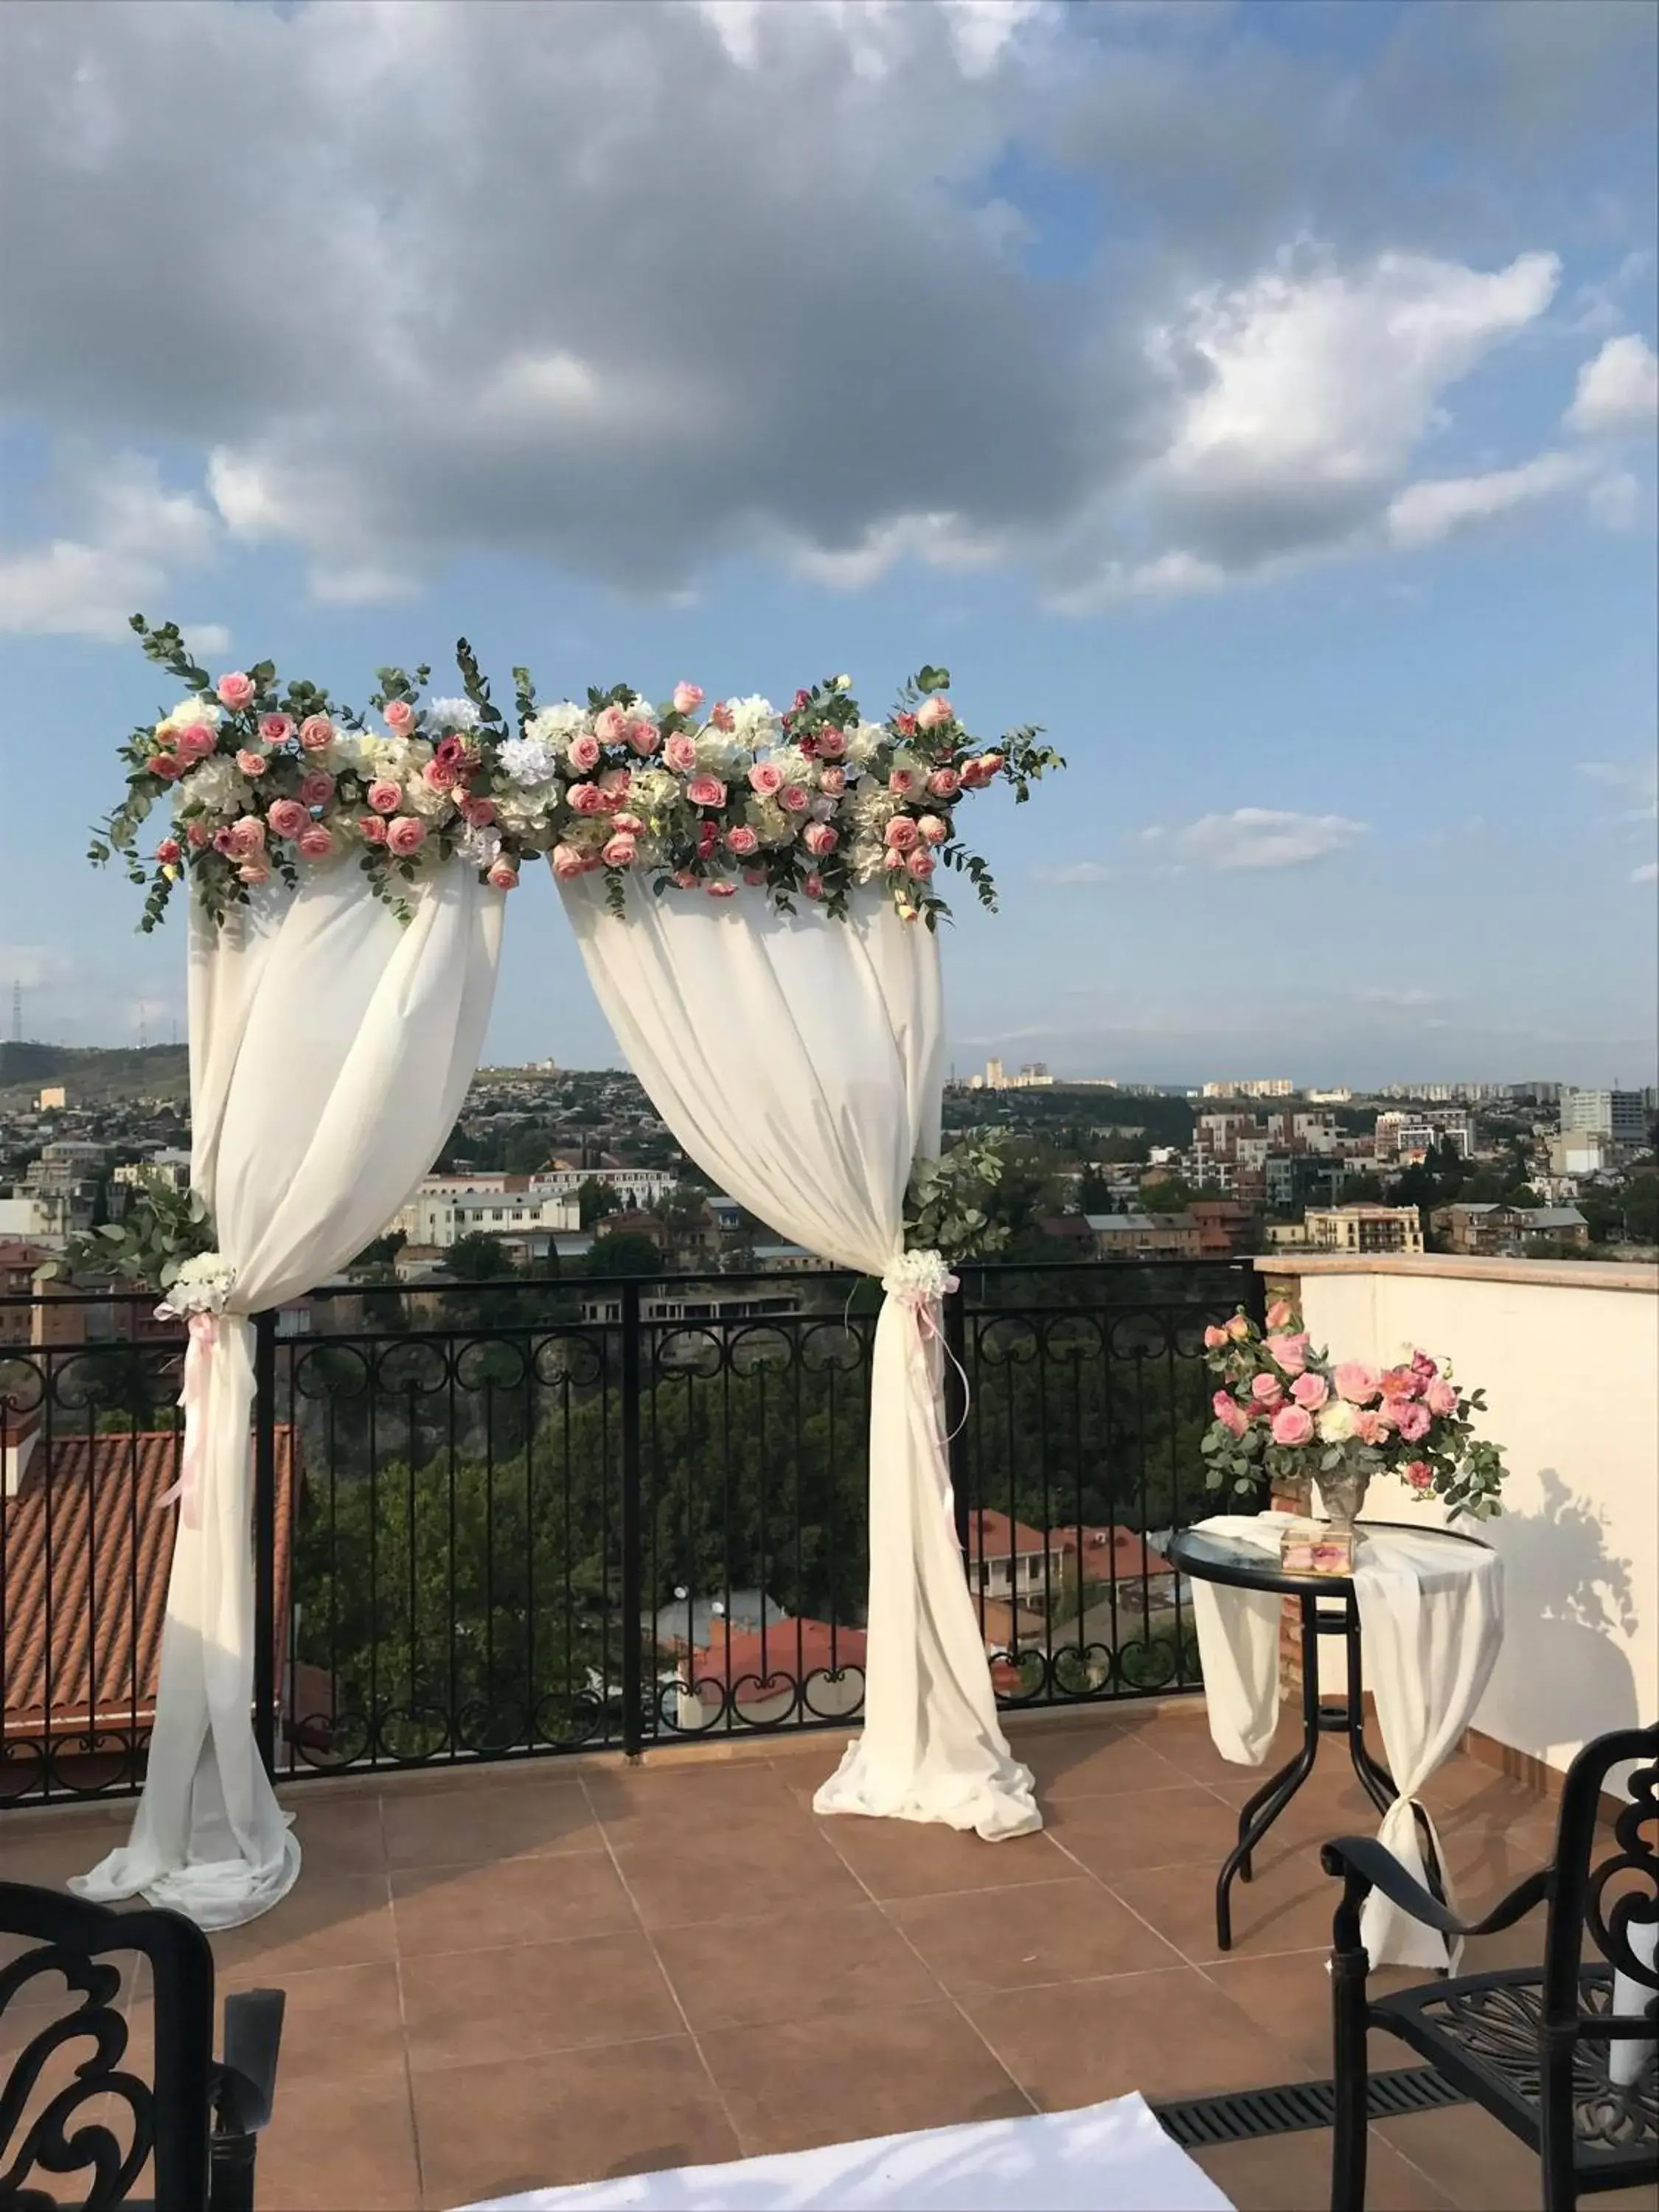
column 1283, row 1411
column 270, row 781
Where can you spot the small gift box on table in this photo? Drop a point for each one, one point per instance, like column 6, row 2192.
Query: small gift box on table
column 1315, row 1547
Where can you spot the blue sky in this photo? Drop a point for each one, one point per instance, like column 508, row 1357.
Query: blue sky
column 1260, row 398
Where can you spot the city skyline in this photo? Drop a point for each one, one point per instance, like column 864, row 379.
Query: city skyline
column 1258, row 398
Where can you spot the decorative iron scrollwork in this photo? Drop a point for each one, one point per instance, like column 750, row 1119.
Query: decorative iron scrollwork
column 48, row 2140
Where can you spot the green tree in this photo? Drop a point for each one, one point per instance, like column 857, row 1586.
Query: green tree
column 525, row 1152
column 479, row 1258
column 683, row 1208
column 1641, row 1210
column 595, row 1200
column 623, row 1252
column 380, row 1251
column 1168, row 1195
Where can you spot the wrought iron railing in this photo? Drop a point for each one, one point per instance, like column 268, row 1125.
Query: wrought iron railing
column 500, row 1519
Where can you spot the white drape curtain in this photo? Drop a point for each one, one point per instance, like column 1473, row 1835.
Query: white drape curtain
column 331, row 1048
column 798, row 1062
column 1432, row 1621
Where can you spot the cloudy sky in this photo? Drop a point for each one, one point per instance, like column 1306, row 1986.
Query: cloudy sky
column 1260, row 397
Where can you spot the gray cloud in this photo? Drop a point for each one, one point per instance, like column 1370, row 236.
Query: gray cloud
column 635, row 287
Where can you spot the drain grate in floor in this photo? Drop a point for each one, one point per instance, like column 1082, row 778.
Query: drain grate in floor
column 1197, row 2122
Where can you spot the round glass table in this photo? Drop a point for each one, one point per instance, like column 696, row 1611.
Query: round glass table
column 1234, row 1561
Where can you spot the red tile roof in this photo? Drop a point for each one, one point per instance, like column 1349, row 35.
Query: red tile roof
column 794, row 1649
column 1110, row 1550
column 84, row 1558
column 993, row 1535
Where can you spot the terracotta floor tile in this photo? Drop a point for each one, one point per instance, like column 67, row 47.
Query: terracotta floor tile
column 339, row 2023
column 913, row 1858
column 1167, row 2034
column 1330, row 1803
column 1077, row 1762
column 568, row 2115
column 1290, row 1993
column 1292, row 2173
column 325, row 1920
column 472, row 1824
column 1482, row 2167
column 790, row 2084
column 1050, row 1931
column 463, row 2008
column 810, row 1965
column 1186, row 1744
column 46, row 1855
column 663, row 1803
column 343, row 2143
column 1144, row 1828
column 1288, row 1907
column 766, row 1872
column 522, row 1900
column 337, row 1835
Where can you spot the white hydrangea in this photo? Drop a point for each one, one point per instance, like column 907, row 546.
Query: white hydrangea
column 480, row 847
column 558, row 724
column 866, row 857
column 396, row 759
column 794, row 763
column 529, row 760
column 452, row 713
column 754, row 720
column 769, row 822
column 862, row 742
column 651, row 788
column 523, row 812
column 215, row 785
column 198, row 708
column 718, row 754
column 872, row 808
column 419, row 797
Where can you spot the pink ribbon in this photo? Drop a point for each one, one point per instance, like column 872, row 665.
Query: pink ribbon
column 204, row 1335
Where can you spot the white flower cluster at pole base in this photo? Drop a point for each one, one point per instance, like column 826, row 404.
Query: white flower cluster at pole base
column 202, row 1285
column 918, row 1278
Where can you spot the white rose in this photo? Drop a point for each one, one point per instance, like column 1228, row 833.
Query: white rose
column 862, row 741
column 754, row 720
column 452, row 713
column 188, row 714
column 217, row 785
column 1335, row 1422
column 557, row 725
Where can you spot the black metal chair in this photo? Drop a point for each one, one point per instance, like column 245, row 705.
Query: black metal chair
column 1531, row 2045
column 195, row 2121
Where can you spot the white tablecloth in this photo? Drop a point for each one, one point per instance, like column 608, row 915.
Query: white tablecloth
column 1107, row 2157
column 1431, row 1619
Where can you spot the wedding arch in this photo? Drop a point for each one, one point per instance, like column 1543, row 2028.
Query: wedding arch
column 755, row 895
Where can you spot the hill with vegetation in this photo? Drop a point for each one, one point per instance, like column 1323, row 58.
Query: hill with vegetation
column 90, row 1074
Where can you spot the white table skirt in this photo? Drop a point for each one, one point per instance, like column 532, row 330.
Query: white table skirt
column 1432, row 1620
column 1107, row 2157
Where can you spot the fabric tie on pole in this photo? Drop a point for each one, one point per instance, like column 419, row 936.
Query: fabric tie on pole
column 193, row 1400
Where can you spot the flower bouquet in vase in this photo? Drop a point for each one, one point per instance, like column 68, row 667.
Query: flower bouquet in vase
column 1285, row 1414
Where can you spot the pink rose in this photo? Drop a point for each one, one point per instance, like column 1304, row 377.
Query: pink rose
column 197, row 742
column 610, row 725
column 643, row 737
column 1291, row 1352
column 316, row 788
column 248, row 833
column 440, row 775
column 1357, row 1382
column 754, row 877
column 680, row 752
column 1401, row 1382
column 1311, row 1391
column 834, row 782
column 1413, row 1419
column 795, row 797
column 288, row 818
column 812, row 883
column 452, row 749
column 385, row 797
column 235, row 690
column 706, row 790
column 765, row 778
column 685, row 879
column 1267, row 1390
column 1384, row 1417
column 1231, row 1414
column 742, row 842
column 688, row 697
column 1441, row 1398
column 980, row 770
column 893, row 859
column 371, row 828
column 722, row 717
column 316, row 843
column 585, row 799
column 1425, row 1367
column 1280, row 1313
column 254, row 872
column 905, row 725
column 1238, row 1329
column 943, row 783
column 722, row 887
column 901, row 833
column 631, row 823
column 404, row 834
column 583, row 753
column 933, row 710
column 620, row 851
column 275, row 729
column 479, row 812
column 399, row 716
column 1293, row 1424
column 921, row 863
column 616, row 783
column 168, row 766
column 169, row 851
column 820, row 840
column 316, row 734
column 1370, row 1426
column 251, row 763
column 504, row 875
column 830, row 742
column 568, row 861
column 933, row 829
column 1419, row 1475
column 199, row 834
column 903, row 782
column 1214, row 1338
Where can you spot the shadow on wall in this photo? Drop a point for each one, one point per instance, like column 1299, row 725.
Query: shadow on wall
column 1569, row 1606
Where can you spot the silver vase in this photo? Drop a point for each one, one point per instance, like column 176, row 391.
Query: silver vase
column 1343, row 1492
